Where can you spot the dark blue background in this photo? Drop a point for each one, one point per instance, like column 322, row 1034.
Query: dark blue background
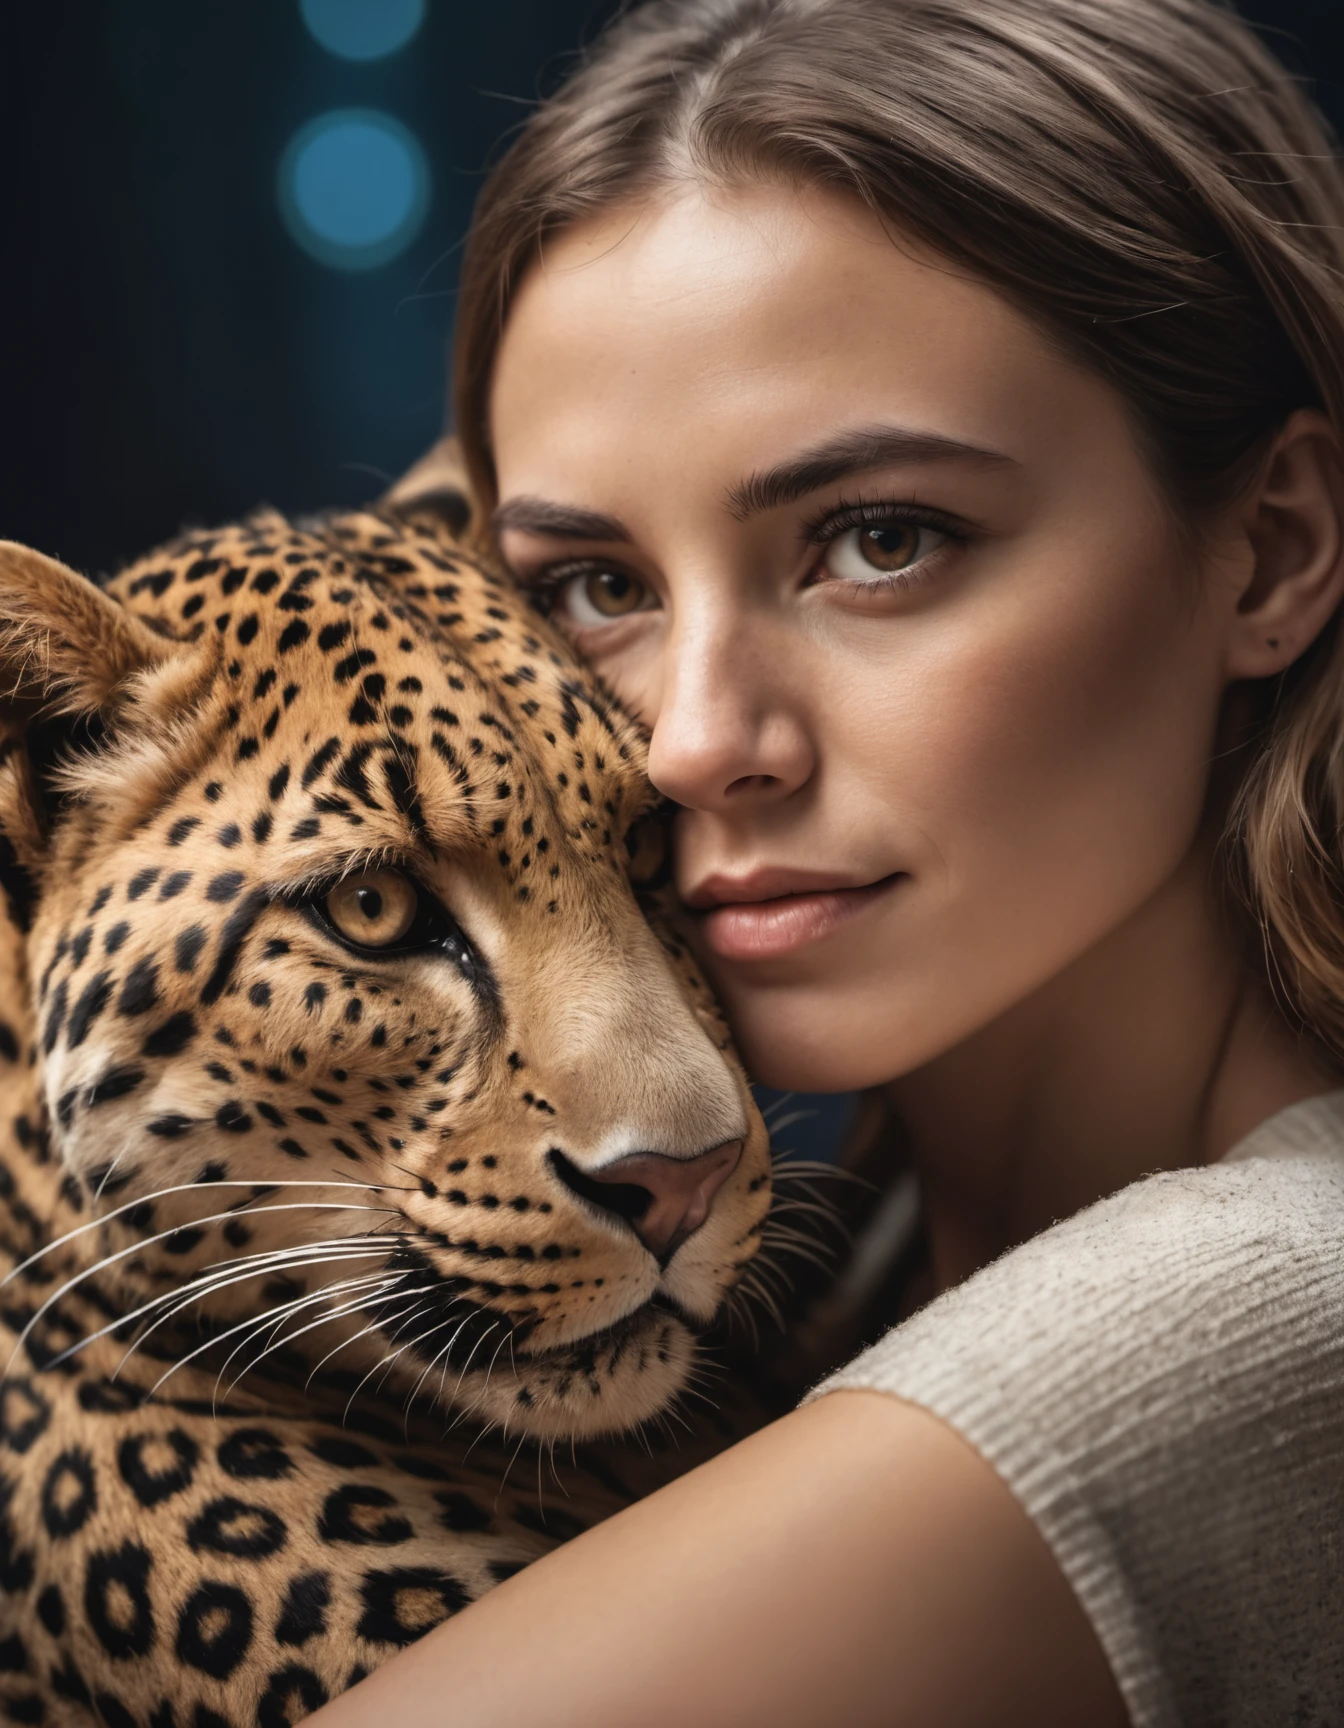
column 167, row 353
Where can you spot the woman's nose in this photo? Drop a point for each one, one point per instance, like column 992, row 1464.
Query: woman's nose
column 728, row 727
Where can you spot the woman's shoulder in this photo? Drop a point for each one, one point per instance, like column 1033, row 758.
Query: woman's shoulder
column 1160, row 1381
column 1198, row 1251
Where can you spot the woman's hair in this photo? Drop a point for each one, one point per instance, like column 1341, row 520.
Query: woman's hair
column 1140, row 178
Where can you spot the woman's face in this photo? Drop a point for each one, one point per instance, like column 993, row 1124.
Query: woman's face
column 926, row 672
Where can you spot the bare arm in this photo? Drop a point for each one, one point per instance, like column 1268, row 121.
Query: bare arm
column 854, row 1563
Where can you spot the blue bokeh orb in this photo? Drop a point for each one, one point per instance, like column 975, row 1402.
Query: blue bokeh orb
column 354, row 188
column 363, row 29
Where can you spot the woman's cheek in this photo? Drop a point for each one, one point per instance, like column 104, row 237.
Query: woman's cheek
column 1038, row 776
column 1056, row 757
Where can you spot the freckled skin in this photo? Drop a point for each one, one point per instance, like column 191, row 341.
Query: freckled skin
column 269, row 1122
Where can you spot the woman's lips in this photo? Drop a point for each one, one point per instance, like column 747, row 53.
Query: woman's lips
column 764, row 929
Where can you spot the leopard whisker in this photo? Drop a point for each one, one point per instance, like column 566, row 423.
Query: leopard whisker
column 470, row 1409
column 778, row 1271
column 758, row 1293
column 775, row 1230
column 297, row 1253
column 187, row 1188
column 429, row 1368
column 704, row 1397
column 673, row 1414
column 107, row 1175
column 361, row 1304
column 363, row 1332
column 387, row 1358
column 766, row 1265
column 743, row 1310
column 807, row 1209
column 177, row 1299
column 788, row 1169
column 697, row 1373
column 219, row 1274
column 820, row 1261
column 251, row 1323
column 789, row 1121
column 277, row 1317
column 194, row 1292
column 772, row 1308
column 446, row 1354
column 406, row 1320
column 499, row 1492
column 467, row 1364
column 761, row 1271
column 820, row 1256
column 769, row 1299
column 490, row 1366
column 140, row 1245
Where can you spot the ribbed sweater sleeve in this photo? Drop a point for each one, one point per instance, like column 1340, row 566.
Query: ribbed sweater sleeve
column 1160, row 1382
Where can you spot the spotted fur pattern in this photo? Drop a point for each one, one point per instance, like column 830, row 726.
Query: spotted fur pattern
column 293, row 1268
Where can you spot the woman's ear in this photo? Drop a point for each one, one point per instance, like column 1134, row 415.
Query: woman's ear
column 65, row 647
column 1294, row 522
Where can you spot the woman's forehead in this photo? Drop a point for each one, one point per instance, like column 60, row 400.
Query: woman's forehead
column 757, row 320
column 720, row 285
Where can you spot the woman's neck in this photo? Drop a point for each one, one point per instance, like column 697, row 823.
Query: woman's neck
column 1153, row 1051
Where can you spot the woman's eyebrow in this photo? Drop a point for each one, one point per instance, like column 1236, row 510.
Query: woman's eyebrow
column 557, row 521
column 849, row 453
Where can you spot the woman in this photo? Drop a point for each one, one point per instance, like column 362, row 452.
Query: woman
column 926, row 414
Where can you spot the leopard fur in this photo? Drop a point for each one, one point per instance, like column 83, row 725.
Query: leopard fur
column 292, row 1265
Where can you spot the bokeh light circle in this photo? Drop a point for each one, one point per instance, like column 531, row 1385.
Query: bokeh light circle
column 363, row 29
column 354, row 188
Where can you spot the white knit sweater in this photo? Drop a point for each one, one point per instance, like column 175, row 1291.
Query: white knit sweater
column 1160, row 1381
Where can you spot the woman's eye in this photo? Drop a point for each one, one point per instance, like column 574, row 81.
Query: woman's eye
column 374, row 909
column 600, row 597
column 879, row 549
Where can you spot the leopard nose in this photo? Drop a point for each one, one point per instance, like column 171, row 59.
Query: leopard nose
column 663, row 1199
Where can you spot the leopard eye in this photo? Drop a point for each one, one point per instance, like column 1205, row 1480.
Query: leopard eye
column 648, row 845
column 374, row 909
column 386, row 912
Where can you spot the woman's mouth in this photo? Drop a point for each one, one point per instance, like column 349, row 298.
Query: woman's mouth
column 771, row 913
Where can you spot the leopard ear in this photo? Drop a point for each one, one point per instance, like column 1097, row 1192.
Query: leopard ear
column 65, row 647
column 437, row 489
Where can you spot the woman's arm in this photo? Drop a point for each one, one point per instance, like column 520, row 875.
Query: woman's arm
column 855, row 1564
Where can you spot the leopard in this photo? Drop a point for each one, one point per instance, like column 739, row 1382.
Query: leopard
column 364, row 1119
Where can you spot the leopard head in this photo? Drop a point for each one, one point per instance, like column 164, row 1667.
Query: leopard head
column 351, row 1032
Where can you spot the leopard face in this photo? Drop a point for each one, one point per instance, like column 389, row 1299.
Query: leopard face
column 350, row 1029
